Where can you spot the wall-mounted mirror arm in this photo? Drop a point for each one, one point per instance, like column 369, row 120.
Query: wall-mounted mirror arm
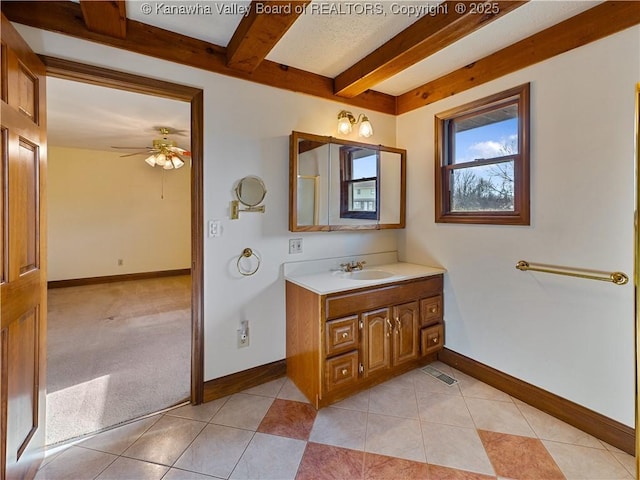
column 235, row 209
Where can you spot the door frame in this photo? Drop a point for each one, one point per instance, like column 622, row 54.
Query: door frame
column 69, row 70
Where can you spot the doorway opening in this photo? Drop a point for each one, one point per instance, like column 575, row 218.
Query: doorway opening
column 156, row 305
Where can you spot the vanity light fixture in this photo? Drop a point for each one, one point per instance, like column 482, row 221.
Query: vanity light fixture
column 346, row 120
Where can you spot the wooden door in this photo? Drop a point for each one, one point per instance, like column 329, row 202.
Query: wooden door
column 23, row 262
column 377, row 330
column 405, row 336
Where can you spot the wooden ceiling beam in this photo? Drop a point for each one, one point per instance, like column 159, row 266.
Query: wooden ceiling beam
column 260, row 31
column 66, row 18
column 108, row 17
column 428, row 35
column 598, row 22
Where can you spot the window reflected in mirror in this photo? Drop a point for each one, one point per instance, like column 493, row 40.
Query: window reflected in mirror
column 341, row 185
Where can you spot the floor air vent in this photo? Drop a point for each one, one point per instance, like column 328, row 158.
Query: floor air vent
column 443, row 377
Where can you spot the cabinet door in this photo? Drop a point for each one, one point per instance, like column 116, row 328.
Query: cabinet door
column 376, row 333
column 405, row 336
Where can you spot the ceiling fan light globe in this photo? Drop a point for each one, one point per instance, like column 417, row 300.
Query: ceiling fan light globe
column 167, row 165
column 176, row 161
column 161, row 159
column 151, row 160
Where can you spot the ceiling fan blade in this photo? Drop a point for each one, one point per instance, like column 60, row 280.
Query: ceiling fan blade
column 132, row 154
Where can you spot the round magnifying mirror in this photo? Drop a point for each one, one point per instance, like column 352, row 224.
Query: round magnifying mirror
column 251, row 191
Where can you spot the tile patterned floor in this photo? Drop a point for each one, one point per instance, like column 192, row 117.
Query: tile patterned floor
column 412, row 427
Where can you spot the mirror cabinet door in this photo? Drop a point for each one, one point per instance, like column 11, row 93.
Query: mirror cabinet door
column 341, row 185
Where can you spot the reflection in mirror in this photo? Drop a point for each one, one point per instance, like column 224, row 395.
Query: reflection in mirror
column 251, row 191
column 341, row 185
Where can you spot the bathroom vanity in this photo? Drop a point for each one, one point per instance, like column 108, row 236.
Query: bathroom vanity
column 347, row 331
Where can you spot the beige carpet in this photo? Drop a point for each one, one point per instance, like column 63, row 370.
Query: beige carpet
column 115, row 352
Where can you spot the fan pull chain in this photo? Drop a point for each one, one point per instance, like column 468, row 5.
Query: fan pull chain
column 162, row 186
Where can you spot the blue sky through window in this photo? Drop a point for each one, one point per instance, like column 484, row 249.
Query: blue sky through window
column 486, row 141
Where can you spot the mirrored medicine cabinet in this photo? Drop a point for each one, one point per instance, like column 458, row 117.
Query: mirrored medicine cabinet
column 337, row 184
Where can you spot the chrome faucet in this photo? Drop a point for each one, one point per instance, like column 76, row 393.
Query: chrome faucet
column 351, row 266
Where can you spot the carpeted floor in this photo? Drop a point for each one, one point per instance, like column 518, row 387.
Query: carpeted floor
column 115, row 352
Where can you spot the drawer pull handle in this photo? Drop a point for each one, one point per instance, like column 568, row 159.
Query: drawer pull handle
column 435, row 340
column 398, row 326
column 433, row 309
column 344, row 372
column 345, row 335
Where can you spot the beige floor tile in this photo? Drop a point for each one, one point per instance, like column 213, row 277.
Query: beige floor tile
column 471, row 387
column 128, row 468
column 117, row 440
column 177, row 474
column 270, row 457
column 243, row 411
column 76, row 463
column 426, row 384
column 215, row 451
column 395, row 437
column 446, row 409
column 203, row 412
column 340, row 427
column 547, row 427
column 385, row 399
column 269, row 389
column 402, row 382
column 584, row 463
column 359, row 402
column 289, row 391
column 627, row 461
column 165, row 441
column 498, row 416
column 455, row 447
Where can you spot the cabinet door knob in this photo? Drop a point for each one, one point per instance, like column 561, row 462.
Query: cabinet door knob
column 433, row 309
column 435, row 340
column 344, row 372
column 345, row 335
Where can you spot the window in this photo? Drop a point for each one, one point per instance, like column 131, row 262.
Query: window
column 482, row 161
column 359, row 183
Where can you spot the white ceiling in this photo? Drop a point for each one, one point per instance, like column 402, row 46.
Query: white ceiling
column 327, row 44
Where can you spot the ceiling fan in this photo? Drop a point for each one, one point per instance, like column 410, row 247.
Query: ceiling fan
column 164, row 152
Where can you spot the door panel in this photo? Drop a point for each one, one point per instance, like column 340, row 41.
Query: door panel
column 405, row 337
column 23, row 248
column 376, row 341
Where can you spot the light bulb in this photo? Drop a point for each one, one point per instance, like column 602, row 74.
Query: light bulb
column 151, row 160
column 176, row 161
column 344, row 122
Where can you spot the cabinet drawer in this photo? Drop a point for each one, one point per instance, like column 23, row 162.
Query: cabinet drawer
column 341, row 335
column 343, row 305
column 430, row 310
column 341, row 371
column 431, row 339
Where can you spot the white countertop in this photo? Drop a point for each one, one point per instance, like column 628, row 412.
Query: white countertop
column 327, row 282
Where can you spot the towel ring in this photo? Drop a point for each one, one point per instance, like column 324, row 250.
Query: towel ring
column 247, row 253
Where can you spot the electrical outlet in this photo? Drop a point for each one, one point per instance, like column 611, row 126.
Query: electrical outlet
column 295, row 245
column 243, row 334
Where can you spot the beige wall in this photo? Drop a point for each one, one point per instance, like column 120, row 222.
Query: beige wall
column 103, row 208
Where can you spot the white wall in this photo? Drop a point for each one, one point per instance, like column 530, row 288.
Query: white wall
column 569, row 336
column 246, row 132
column 102, row 208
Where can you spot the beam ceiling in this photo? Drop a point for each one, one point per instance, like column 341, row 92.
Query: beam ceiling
column 105, row 16
column 254, row 38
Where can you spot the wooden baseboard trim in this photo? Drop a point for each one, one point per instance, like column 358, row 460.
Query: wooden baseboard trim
column 237, row 382
column 78, row 282
column 606, row 429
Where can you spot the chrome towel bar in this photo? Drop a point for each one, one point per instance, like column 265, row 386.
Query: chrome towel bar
column 618, row 278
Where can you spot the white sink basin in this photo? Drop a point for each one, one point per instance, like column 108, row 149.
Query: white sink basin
column 369, row 275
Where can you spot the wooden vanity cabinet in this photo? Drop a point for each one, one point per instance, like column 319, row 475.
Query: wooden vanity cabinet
column 341, row 343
